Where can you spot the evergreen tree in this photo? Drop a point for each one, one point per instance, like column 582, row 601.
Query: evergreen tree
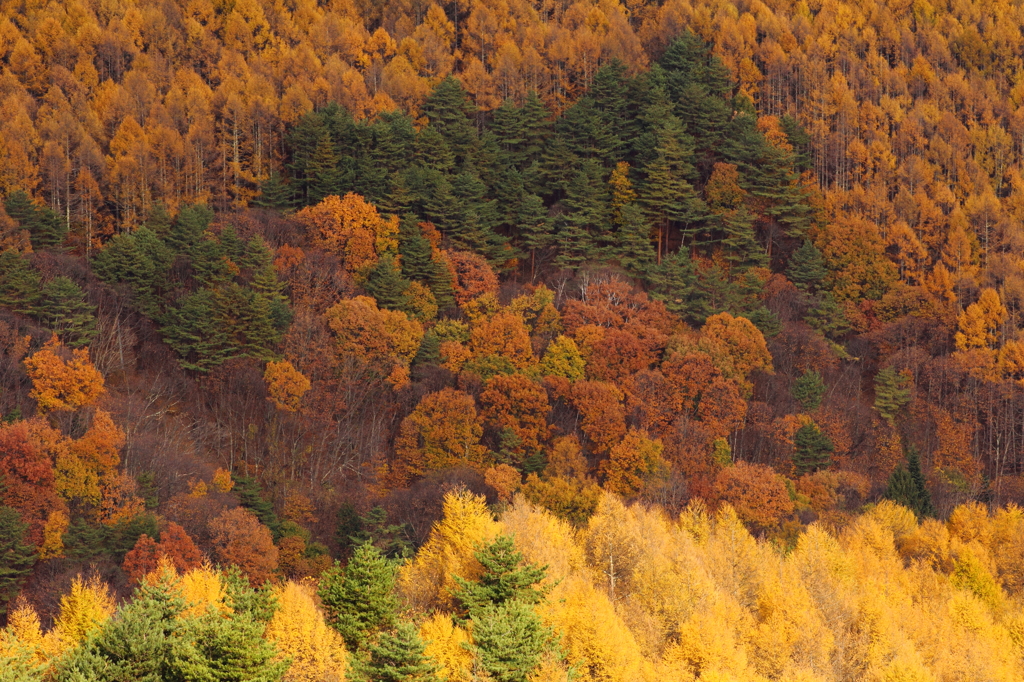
column 417, row 253
column 396, row 657
column 359, row 599
column 390, row 538
column 807, row 267
column 586, row 213
column 16, row 555
column 64, row 310
column 275, row 193
column 139, row 259
column 192, row 329
column 509, row 640
column 159, row 220
column 674, row 282
column 386, row 284
column 349, row 523
column 323, row 175
column 506, row 576
column 812, row 450
column 633, row 246
column 892, row 392
column 808, row 390
column 250, row 495
column 47, row 229
column 137, row 644
column 828, row 318
column 429, row 352
column 189, row 226
column 19, row 283
column 907, row 486
column 533, row 227
column 257, row 603
column 665, row 193
column 449, row 110
column 208, row 259
column 741, row 246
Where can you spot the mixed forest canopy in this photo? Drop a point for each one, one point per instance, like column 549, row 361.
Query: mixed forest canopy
column 448, row 309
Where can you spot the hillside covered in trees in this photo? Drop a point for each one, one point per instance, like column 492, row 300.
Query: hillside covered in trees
column 715, row 309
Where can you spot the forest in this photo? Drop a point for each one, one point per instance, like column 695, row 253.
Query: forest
column 505, row 340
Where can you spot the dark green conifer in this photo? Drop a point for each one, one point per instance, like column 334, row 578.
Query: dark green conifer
column 275, row 193
column 808, row 390
column 892, row 392
column 812, row 450
column 189, row 226
column 64, row 310
column 907, row 486
column 359, row 598
column 16, row 555
column 323, row 175
column 386, row 284
column 19, row 283
column 807, row 267
column 159, row 220
column 509, row 640
column 506, row 576
column 396, row 657
column 587, row 213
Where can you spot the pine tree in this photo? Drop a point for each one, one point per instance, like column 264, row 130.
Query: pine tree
column 828, row 317
column 808, row 390
column 807, row 268
column 390, row 538
column 396, row 657
column 812, row 450
column 250, row 496
column 586, row 214
column 509, row 640
column 189, row 226
column 416, row 251
column 633, row 246
column 47, row 228
column 449, row 110
column 742, row 248
column 64, row 310
column 16, row 555
column 275, row 193
column 386, row 284
column 323, row 175
column 665, row 193
column 429, row 352
column 506, row 576
column 159, row 220
column 892, row 392
column 907, row 486
column 674, row 282
column 349, row 523
column 192, row 329
column 359, row 598
column 19, row 283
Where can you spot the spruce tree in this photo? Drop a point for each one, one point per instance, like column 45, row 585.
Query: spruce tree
column 47, row 228
column 386, row 284
column 250, row 495
column 892, row 392
column 16, row 555
column 907, row 486
column 159, row 220
column 275, row 193
column 533, row 227
column 193, row 330
column 416, row 251
column 812, row 450
column 19, row 283
column 389, row 538
column 506, row 576
column 429, row 352
column 64, row 310
column 586, row 213
column 509, row 640
column 359, row 599
column 808, row 390
column 189, row 226
column 396, row 657
column 807, row 267
column 674, row 282
column 633, row 246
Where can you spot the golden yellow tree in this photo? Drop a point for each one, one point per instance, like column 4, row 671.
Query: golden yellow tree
column 298, row 630
column 63, row 381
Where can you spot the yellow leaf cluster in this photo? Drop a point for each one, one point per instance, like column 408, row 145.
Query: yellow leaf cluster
column 299, row 632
